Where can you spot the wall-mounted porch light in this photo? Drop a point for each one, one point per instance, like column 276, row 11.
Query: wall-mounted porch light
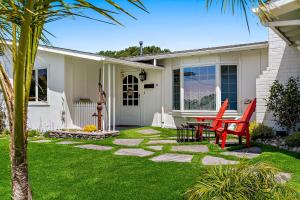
column 143, row 75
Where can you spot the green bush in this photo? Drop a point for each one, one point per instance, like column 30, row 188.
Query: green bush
column 6, row 132
column 2, row 118
column 293, row 140
column 260, row 131
column 33, row 133
column 243, row 181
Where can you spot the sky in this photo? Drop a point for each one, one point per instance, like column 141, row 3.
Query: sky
column 171, row 24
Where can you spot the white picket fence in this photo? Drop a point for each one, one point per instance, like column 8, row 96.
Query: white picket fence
column 84, row 113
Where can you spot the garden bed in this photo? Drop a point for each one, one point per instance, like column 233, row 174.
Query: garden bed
column 83, row 135
column 278, row 142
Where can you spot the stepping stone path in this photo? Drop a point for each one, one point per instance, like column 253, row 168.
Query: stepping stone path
column 150, row 136
column 211, row 160
column 133, row 152
column 94, row 147
column 148, row 131
column 41, row 141
column 174, row 138
column 68, row 142
column 162, row 142
column 157, row 148
column 249, row 153
column 191, row 148
column 282, row 177
column 172, row 157
column 128, row 142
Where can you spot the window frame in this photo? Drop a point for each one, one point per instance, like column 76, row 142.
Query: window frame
column 37, row 102
column 217, row 82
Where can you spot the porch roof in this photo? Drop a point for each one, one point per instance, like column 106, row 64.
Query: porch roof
column 96, row 57
column 284, row 20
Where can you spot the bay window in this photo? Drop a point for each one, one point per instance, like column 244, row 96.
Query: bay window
column 38, row 87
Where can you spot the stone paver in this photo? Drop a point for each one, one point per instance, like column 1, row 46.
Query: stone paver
column 68, row 142
column 41, row 141
column 211, row 160
column 162, row 142
column 283, row 177
column 249, row 153
column 133, row 152
column 174, row 138
column 128, row 142
column 157, row 148
column 150, row 136
column 94, row 147
column 172, row 157
column 148, row 131
column 191, row 148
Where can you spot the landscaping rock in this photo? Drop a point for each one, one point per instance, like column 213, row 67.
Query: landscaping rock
column 41, row 141
column 148, row 131
column 171, row 157
column 128, row 142
column 68, row 142
column 83, row 135
column 283, row 177
column 162, row 142
column 134, row 152
column 191, row 148
column 94, row 147
column 157, row 148
column 211, row 160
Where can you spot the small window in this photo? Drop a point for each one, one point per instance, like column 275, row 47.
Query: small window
column 130, row 91
column 39, row 86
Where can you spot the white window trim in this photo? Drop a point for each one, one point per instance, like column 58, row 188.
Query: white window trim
column 36, row 102
column 218, row 87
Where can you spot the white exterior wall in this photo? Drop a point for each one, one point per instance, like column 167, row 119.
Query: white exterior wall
column 46, row 115
column 284, row 61
column 250, row 65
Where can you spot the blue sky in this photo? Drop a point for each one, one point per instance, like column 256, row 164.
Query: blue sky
column 172, row 24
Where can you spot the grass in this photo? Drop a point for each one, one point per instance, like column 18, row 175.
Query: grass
column 65, row 172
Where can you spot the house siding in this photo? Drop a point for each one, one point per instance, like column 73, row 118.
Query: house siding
column 284, row 62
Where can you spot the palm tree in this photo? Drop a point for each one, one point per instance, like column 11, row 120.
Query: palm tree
column 23, row 22
column 244, row 6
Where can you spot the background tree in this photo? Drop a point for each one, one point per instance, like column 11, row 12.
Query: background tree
column 284, row 102
column 23, row 23
column 134, row 51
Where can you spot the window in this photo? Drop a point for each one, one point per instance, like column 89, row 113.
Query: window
column 130, row 91
column 229, row 85
column 176, row 89
column 38, row 87
column 200, row 88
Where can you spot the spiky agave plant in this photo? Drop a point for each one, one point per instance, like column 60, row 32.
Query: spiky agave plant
column 243, row 181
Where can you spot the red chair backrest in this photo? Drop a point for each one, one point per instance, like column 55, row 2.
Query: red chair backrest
column 220, row 113
column 246, row 116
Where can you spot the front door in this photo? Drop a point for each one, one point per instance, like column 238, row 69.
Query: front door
column 130, row 102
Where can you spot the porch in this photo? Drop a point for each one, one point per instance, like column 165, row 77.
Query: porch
column 124, row 92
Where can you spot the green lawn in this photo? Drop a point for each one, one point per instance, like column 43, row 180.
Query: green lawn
column 65, row 172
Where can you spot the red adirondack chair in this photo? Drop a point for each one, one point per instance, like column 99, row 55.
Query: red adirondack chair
column 215, row 120
column 242, row 126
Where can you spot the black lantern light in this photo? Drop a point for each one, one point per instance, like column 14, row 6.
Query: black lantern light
column 143, row 75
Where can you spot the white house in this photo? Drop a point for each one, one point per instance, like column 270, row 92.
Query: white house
column 178, row 87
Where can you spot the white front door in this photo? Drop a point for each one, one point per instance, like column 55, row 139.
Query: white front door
column 130, row 101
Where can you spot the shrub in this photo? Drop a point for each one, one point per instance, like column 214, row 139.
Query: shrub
column 243, row 181
column 260, row 131
column 90, row 128
column 284, row 102
column 6, row 132
column 33, row 133
column 2, row 118
column 293, row 140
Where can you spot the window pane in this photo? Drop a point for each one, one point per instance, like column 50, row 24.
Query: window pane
column 32, row 93
column 200, row 88
column 229, row 85
column 42, row 84
column 176, row 89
